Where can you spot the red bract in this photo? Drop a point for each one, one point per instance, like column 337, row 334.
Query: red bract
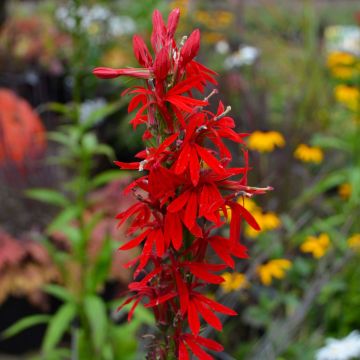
column 186, row 194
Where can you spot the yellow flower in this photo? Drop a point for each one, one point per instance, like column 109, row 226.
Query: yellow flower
column 273, row 269
column 317, row 246
column 233, row 282
column 345, row 190
column 354, row 242
column 212, row 37
column 343, row 72
column 349, row 96
column 267, row 222
column 339, row 58
column 309, row 154
column 224, row 18
column 265, row 141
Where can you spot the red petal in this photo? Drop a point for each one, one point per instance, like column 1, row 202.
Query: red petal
column 191, row 211
column 105, row 73
column 183, row 293
column 173, row 21
column 130, row 166
column 209, row 316
column 158, row 34
column 162, row 64
column 205, row 275
column 131, row 312
column 193, row 319
column 183, row 159
column 141, row 51
column 183, row 354
column 161, row 299
column 198, row 351
column 210, row 344
column 173, row 229
column 135, row 242
column 215, row 305
column 194, row 167
column 135, row 101
column 190, row 48
column 222, row 248
column 179, row 202
column 210, row 159
column 160, row 243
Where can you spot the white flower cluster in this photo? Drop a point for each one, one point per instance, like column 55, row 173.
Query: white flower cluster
column 343, row 349
column 246, row 55
column 98, row 19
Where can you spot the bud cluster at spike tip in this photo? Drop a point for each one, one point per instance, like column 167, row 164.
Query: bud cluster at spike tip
column 186, row 192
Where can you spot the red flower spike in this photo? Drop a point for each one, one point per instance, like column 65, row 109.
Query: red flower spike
column 186, row 193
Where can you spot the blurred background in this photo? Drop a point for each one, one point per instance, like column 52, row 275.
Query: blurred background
column 291, row 72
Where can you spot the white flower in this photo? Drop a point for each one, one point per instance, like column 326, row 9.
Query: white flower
column 343, row 349
column 121, row 25
column 98, row 17
column 246, row 55
column 222, row 47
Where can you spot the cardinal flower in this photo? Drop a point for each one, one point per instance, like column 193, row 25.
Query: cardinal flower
column 186, row 191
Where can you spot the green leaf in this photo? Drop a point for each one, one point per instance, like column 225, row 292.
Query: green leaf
column 108, row 176
column 59, row 292
column 102, row 264
column 59, row 137
column 90, row 143
column 101, row 113
column 64, row 109
column 25, row 323
column 330, row 143
column 58, row 325
column 62, row 220
column 103, row 149
column 48, row 196
column 334, row 179
column 95, row 311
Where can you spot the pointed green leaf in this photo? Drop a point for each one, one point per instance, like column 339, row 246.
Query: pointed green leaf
column 59, row 292
column 25, row 323
column 95, row 310
column 59, row 324
column 48, row 196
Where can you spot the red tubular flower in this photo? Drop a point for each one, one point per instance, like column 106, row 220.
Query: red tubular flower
column 187, row 186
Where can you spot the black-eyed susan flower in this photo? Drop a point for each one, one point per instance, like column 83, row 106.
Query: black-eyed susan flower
column 234, row 281
column 317, row 246
column 309, row 154
column 274, row 269
column 265, row 141
column 342, row 65
column 349, row 96
column 354, row 242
